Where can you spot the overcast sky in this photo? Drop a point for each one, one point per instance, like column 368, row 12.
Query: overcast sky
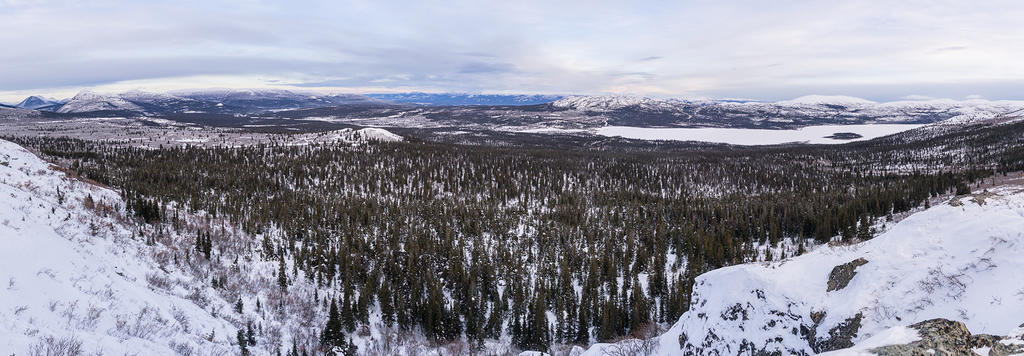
column 768, row 50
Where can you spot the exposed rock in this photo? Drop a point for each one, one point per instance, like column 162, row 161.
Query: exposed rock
column 842, row 274
column 841, row 336
column 939, row 337
column 817, row 316
column 1010, row 345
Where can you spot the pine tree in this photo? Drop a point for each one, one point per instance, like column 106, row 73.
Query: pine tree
column 243, row 344
column 387, row 309
column 350, row 348
column 250, row 335
column 282, row 277
column 348, row 318
column 332, row 335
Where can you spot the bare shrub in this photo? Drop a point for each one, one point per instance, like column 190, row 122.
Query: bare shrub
column 182, row 318
column 158, row 281
column 162, row 258
column 182, row 349
column 70, row 312
column 627, row 347
column 459, row 348
column 384, row 345
column 144, row 325
column 938, row 279
column 272, row 335
column 91, row 317
column 51, row 346
column 644, row 343
column 199, row 297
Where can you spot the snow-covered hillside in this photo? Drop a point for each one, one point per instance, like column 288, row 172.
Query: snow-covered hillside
column 802, row 111
column 960, row 260
column 74, row 274
column 39, row 103
column 609, row 103
column 88, row 101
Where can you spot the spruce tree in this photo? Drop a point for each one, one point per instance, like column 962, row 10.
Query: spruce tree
column 243, row 344
column 332, row 335
column 282, row 277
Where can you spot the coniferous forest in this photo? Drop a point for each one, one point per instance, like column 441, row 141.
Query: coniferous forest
column 542, row 245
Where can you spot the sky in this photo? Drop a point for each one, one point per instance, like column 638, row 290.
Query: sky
column 764, row 50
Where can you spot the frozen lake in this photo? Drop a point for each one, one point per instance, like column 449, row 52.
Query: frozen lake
column 810, row 134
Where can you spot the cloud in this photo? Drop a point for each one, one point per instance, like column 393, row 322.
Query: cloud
column 734, row 49
column 950, row 49
column 483, row 67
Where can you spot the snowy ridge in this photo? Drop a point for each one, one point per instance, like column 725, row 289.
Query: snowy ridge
column 38, row 103
column 609, row 103
column 959, row 260
column 72, row 271
column 88, row 101
column 346, row 136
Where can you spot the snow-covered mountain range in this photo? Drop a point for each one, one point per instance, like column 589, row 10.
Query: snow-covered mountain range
column 202, row 101
column 803, row 111
column 451, row 99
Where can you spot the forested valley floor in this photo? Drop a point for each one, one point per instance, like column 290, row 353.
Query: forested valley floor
column 541, row 247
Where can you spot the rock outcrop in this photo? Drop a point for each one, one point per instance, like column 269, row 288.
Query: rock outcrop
column 842, row 274
column 942, row 337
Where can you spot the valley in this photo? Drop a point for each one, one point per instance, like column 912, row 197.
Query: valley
column 534, row 229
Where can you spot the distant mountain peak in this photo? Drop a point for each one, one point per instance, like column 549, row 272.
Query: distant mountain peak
column 827, row 99
column 88, row 101
column 36, row 102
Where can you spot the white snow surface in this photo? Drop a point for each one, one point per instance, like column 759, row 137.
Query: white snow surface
column 68, row 272
column 957, row 261
column 377, row 134
column 809, row 134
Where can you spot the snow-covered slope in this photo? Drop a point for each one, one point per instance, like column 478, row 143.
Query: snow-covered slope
column 376, row 134
column 609, row 103
column 88, row 101
column 39, row 103
column 73, row 273
column 959, row 260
